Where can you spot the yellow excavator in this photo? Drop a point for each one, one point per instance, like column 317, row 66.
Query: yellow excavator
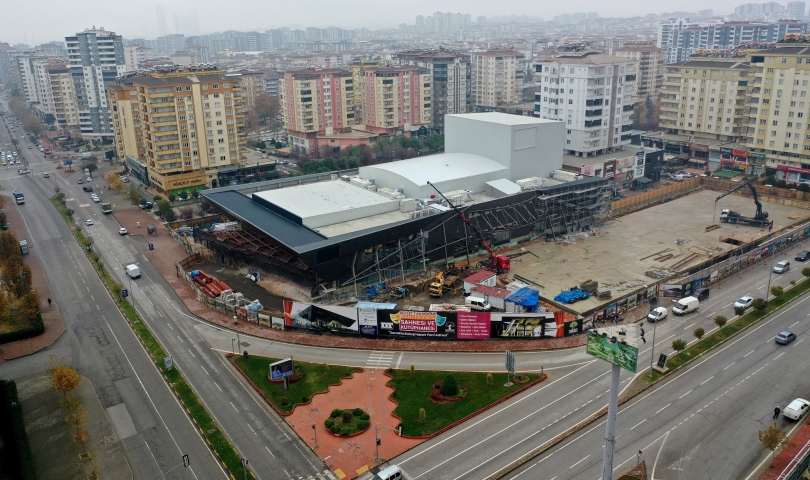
column 444, row 281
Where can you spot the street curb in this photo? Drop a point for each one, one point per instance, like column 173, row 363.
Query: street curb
column 603, row 411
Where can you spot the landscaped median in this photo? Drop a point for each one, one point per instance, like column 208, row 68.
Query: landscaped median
column 208, row 428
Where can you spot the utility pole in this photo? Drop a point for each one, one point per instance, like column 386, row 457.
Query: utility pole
column 610, row 430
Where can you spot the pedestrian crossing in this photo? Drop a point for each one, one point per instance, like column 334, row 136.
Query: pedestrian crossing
column 379, row 360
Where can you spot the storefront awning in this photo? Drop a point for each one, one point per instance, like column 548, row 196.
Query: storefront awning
column 643, row 180
column 697, row 162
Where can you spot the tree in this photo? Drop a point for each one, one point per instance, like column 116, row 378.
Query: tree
column 92, row 167
column 267, row 108
column 773, row 438
column 806, row 272
column 434, row 142
column 164, row 206
column 720, row 321
column 490, row 380
column 412, row 369
column 422, row 415
column 117, row 289
column 172, row 197
column 170, row 216
column 186, row 213
column 777, row 291
column 760, row 304
column 699, row 333
column 678, row 345
column 9, row 246
column 739, row 311
column 64, row 379
column 449, row 386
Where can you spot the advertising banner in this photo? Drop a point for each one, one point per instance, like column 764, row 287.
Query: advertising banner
column 367, row 317
column 673, row 291
column 407, row 324
column 281, row 369
column 320, row 317
column 473, row 325
column 617, row 353
column 527, row 325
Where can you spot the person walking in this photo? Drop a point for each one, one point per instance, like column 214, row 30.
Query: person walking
column 776, row 412
column 49, row 302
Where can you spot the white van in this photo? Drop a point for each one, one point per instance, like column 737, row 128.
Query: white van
column 392, row 472
column 679, row 177
column 686, row 305
column 477, row 303
column 133, row 271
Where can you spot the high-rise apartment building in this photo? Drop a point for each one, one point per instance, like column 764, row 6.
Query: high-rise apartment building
column 650, row 61
column 593, row 94
column 316, row 102
column 96, row 59
column 397, row 99
column 680, row 38
column 358, row 68
column 451, row 72
column 779, row 111
column 63, row 96
column 182, row 127
column 252, row 85
column 497, row 78
column 705, row 98
column 134, row 56
column 796, row 10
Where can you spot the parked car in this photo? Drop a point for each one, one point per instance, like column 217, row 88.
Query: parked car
column 87, row 188
column 802, row 256
column 658, row 314
column 781, row 267
column 796, row 409
column 785, row 337
column 744, row 302
column 146, row 206
column 122, row 231
column 80, row 180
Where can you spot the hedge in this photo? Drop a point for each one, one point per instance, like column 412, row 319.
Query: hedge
column 36, row 329
column 17, row 459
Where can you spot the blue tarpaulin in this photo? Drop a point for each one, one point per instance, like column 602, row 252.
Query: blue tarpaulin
column 572, row 296
column 527, row 297
column 375, row 289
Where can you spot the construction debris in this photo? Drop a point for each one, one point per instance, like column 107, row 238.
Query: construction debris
column 712, row 227
column 658, row 273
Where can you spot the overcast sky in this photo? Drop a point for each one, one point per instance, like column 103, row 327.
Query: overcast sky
column 40, row 21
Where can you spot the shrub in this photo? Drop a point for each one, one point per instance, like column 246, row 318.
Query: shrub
column 806, row 272
column 793, row 282
column 305, row 399
column 285, row 402
column 362, row 424
column 739, row 311
column 412, row 369
column 335, row 413
column 347, row 416
column 156, row 198
column 334, row 429
column 699, row 332
column 437, row 384
column 490, row 381
column 777, row 291
column 186, row 213
column 357, row 412
column 436, row 395
column 346, row 431
column 803, row 187
column 678, row 345
column 172, row 197
column 449, row 386
column 780, row 184
column 329, row 422
column 720, row 321
column 170, row 216
column 760, row 304
column 365, row 416
column 422, row 415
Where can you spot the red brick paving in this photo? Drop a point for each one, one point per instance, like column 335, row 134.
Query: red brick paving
column 786, row 455
column 54, row 327
column 366, row 390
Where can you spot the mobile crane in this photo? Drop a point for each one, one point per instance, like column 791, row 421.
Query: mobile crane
column 497, row 263
column 760, row 218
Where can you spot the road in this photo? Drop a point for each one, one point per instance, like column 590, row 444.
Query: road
column 703, row 423
column 152, row 426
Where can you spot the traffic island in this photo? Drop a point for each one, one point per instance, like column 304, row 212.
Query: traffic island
column 347, row 423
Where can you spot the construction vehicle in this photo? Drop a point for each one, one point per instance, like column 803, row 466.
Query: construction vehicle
column 760, row 218
column 497, row 263
column 444, row 281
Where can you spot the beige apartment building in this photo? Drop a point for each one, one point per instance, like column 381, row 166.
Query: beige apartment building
column 252, row 85
column 358, row 68
column 181, row 127
column 63, row 96
column 706, row 98
column 497, row 78
column 779, row 111
column 397, row 99
column 316, row 102
column 650, row 61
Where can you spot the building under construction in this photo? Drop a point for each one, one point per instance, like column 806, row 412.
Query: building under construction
column 386, row 224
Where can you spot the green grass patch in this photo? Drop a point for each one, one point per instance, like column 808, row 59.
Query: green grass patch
column 316, row 377
column 676, row 361
column 347, row 422
column 412, row 393
column 189, row 398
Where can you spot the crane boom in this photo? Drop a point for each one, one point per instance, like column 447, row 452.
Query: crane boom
column 466, row 221
column 760, row 215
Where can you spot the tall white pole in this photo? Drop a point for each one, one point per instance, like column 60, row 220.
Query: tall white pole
column 610, row 431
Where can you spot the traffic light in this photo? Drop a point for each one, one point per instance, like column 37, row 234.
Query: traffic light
column 379, row 442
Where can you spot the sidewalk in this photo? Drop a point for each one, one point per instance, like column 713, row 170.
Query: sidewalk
column 350, row 457
column 56, row 455
column 54, row 326
column 797, row 443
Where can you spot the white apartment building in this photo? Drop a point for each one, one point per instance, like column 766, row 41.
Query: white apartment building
column 593, row 94
column 497, row 78
column 96, row 60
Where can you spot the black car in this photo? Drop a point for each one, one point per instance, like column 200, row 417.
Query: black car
column 87, row 189
column 803, row 255
column 146, row 206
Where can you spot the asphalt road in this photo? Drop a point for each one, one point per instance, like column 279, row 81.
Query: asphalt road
column 152, row 426
column 703, row 423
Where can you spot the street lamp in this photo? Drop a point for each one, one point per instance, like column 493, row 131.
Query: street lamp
column 238, row 341
column 233, row 350
column 315, row 432
column 653, row 303
column 768, row 290
column 244, row 463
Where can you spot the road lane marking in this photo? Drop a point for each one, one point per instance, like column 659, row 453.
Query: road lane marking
column 749, row 353
column 192, row 353
column 204, row 370
column 800, row 341
column 639, row 423
column 251, row 428
column 704, row 381
column 215, row 383
column 234, row 407
column 794, row 324
column 685, row 394
column 170, row 325
column 574, row 465
column 662, row 408
column 181, row 340
column 778, row 355
column 710, row 315
column 732, row 363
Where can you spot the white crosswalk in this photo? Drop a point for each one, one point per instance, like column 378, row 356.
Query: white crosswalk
column 379, row 360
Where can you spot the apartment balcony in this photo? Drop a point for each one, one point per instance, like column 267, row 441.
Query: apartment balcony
column 165, row 139
column 154, row 102
column 164, row 120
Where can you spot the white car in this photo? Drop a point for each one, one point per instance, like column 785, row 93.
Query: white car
column 658, row 314
column 46, row 175
column 744, row 302
column 96, row 199
column 796, row 409
column 88, row 222
column 122, row 231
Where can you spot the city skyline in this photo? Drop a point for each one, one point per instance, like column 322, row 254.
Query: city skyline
column 143, row 21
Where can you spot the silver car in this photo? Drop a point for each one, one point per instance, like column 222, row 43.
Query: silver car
column 781, row 267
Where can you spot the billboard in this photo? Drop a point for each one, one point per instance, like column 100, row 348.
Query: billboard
column 320, row 317
column 281, row 369
column 473, row 325
column 609, row 348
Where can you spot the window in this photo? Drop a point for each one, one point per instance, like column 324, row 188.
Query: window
column 216, row 86
column 775, row 122
column 205, row 87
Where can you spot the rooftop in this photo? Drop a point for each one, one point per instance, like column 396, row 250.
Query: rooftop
column 712, row 64
column 440, row 167
column 502, row 118
column 587, row 59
